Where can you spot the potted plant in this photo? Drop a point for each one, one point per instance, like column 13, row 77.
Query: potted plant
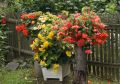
column 56, row 37
column 83, row 30
column 52, row 54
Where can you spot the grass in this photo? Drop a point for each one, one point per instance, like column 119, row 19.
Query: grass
column 21, row 76
column 27, row 76
column 95, row 80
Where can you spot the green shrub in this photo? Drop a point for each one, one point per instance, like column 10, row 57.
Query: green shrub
column 3, row 37
column 56, row 6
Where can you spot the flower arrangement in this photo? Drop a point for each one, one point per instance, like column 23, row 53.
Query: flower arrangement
column 28, row 22
column 54, row 37
column 46, row 44
column 83, row 30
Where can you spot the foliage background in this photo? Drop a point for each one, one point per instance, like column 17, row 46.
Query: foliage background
column 2, row 48
column 56, row 6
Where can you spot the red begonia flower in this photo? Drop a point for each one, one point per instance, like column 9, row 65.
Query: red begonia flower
column 3, row 21
column 88, row 51
column 25, row 32
column 81, row 42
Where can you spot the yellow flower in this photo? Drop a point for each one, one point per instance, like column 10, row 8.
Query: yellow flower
column 45, row 44
column 51, row 34
column 36, row 40
column 56, row 67
column 58, row 37
column 35, row 44
column 36, row 57
column 32, row 46
column 41, row 37
column 69, row 53
column 42, row 63
column 42, row 49
column 43, row 26
column 42, row 19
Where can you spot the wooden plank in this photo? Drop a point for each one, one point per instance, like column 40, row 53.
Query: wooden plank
column 113, row 26
column 93, row 53
column 112, row 46
column 97, row 59
column 97, row 70
column 105, row 59
column 12, row 21
column 117, row 35
column 109, row 53
column 23, row 51
column 112, row 53
column 97, row 53
column 94, row 69
column 104, row 64
column 101, row 60
column 89, row 66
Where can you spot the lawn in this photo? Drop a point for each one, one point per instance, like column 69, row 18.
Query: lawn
column 27, row 76
column 21, row 76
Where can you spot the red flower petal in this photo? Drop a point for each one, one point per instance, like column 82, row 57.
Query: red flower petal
column 84, row 36
column 88, row 51
column 3, row 21
column 81, row 43
column 25, row 32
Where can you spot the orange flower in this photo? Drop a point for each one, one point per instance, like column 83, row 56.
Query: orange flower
column 32, row 22
column 89, row 82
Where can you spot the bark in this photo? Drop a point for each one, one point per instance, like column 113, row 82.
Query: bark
column 80, row 70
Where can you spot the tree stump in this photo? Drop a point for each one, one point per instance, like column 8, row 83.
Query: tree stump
column 80, row 68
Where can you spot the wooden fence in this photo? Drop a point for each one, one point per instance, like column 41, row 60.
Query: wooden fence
column 104, row 62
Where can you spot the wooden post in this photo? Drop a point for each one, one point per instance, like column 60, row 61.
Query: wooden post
column 80, row 67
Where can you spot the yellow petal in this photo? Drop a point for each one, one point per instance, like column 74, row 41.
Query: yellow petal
column 42, row 49
column 42, row 63
column 37, row 40
column 32, row 46
column 45, row 44
column 51, row 34
column 56, row 67
column 40, row 36
column 43, row 26
column 36, row 56
column 69, row 53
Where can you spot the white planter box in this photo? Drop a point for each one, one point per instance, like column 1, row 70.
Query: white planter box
column 62, row 72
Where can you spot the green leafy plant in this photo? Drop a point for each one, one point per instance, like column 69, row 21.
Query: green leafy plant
column 49, row 51
column 57, row 6
column 3, row 37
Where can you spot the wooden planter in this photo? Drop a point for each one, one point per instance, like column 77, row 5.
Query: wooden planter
column 63, row 71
